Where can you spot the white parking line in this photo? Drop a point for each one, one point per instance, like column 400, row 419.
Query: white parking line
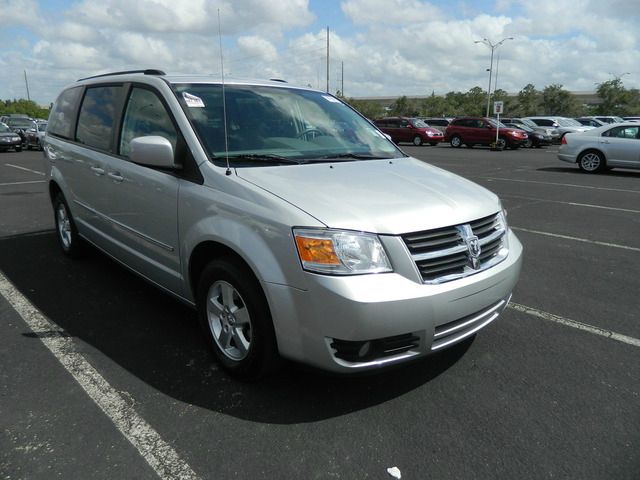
column 586, row 205
column 574, row 324
column 25, row 169
column 577, row 239
column 158, row 454
column 562, row 184
column 22, row 183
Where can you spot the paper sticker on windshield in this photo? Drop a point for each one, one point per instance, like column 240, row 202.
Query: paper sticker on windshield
column 192, row 100
column 330, row 99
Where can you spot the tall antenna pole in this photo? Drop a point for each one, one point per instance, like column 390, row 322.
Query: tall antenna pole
column 327, row 59
column 342, row 80
column 26, row 82
column 224, row 99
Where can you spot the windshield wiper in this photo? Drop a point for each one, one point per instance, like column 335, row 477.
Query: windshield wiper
column 355, row 156
column 266, row 157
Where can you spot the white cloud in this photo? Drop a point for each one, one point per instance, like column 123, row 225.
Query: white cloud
column 390, row 12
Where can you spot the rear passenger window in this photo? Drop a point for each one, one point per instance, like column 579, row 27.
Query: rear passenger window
column 97, row 116
column 62, row 116
column 145, row 115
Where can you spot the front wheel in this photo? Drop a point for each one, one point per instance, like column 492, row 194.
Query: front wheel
column 456, row 141
column 528, row 143
column 592, row 162
column 417, row 140
column 236, row 319
column 501, row 143
column 66, row 231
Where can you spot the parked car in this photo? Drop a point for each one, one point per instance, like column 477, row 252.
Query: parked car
column 609, row 146
column 439, row 123
column 534, row 139
column 563, row 125
column 294, row 227
column 20, row 125
column 546, row 131
column 590, row 122
column 482, row 131
column 35, row 135
column 9, row 139
column 631, row 119
column 405, row 129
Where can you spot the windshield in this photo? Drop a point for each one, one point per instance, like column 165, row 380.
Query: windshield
column 568, row 122
column 416, row 122
column 496, row 124
column 4, row 128
column 20, row 122
column 521, row 126
column 279, row 125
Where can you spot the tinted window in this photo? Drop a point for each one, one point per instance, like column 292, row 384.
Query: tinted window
column 97, row 116
column 622, row 132
column 145, row 115
column 61, row 119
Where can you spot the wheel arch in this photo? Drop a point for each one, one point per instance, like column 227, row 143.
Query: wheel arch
column 590, row 150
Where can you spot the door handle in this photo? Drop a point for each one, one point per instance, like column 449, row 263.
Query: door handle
column 605, row 141
column 115, row 176
column 98, row 171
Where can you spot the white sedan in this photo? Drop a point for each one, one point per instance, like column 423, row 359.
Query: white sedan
column 609, row 146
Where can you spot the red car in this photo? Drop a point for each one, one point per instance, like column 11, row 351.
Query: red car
column 405, row 129
column 482, row 131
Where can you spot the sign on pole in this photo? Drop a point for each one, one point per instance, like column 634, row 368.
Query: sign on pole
column 497, row 107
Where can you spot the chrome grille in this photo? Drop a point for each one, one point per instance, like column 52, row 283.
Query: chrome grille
column 445, row 254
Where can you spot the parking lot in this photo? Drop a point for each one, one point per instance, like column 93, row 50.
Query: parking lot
column 117, row 382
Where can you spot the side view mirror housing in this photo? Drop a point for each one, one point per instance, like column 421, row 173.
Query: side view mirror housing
column 153, row 151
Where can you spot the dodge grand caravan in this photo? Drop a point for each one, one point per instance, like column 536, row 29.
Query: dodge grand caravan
column 288, row 220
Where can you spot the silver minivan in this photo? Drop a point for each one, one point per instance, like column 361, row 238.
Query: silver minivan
column 287, row 219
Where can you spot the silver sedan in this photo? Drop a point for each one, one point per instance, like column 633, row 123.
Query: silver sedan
column 609, row 146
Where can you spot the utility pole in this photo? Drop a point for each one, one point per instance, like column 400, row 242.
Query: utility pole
column 342, row 80
column 26, row 82
column 327, row 59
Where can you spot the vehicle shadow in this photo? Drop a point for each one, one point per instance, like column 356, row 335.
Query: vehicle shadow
column 158, row 339
column 577, row 171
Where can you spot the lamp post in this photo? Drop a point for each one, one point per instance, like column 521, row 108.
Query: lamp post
column 492, row 46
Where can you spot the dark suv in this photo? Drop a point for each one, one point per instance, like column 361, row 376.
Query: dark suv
column 482, row 131
column 404, row 129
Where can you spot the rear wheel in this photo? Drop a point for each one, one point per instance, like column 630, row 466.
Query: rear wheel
column 417, row 140
column 501, row 143
column 236, row 319
column 592, row 162
column 456, row 141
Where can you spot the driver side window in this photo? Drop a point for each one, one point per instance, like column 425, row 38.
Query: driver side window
column 145, row 115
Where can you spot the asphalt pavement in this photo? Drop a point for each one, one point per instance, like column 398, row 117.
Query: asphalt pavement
column 549, row 390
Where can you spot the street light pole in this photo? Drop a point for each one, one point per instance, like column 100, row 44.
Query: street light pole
column 492, row 46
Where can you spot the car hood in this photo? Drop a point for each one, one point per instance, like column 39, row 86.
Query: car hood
column 8, row 134
column 430, row 130
column 381, row 196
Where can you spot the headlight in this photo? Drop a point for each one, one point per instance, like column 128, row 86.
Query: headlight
column 340, row 252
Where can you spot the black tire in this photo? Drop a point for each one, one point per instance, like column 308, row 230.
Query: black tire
column 528, row 143
column 456, row 141
column 592, row 161
column 501, row 143
column 417, row 140
column 66, row 232
column 235, row 317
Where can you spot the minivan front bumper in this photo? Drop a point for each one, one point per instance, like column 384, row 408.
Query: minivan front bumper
column 363, row 322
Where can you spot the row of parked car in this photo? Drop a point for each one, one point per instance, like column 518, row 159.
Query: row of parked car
column 509, row 132
column 20, row 131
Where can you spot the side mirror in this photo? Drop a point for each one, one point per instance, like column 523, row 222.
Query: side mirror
column 153, row 151
column 387, row 136
column 409, row 125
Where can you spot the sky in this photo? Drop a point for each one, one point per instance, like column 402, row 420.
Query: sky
column 379, row 47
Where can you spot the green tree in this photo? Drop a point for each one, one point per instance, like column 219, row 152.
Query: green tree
column 558, row 101
column 371, row 110
column 475, row 102
column 26, row 107
column 528, row 101
column 434, row 106
column 617, row 100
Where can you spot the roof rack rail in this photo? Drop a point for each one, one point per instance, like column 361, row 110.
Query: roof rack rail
column 149, row 71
